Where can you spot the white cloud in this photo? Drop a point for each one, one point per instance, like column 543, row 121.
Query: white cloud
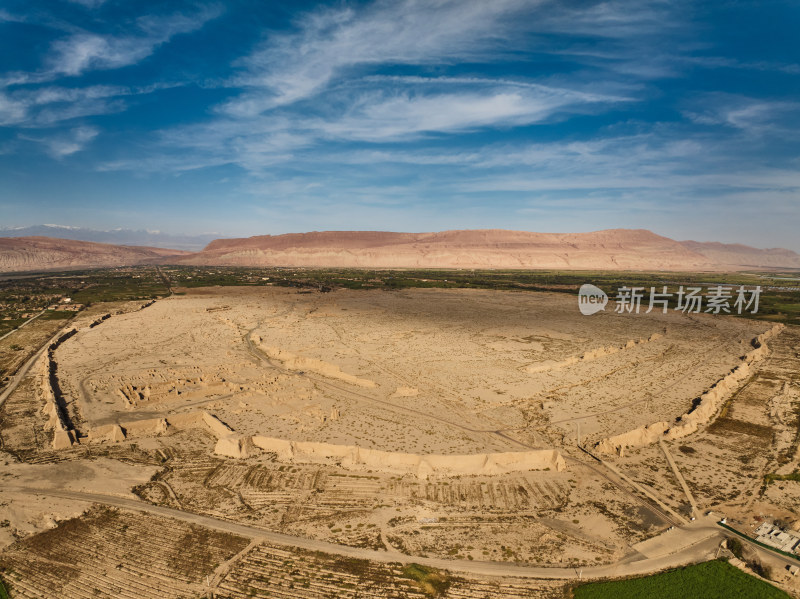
column 340, row 51
column 750, row 115
column 7, row 17
column 343, row 51
column 11, row 111
column 254, row 145
column 716, row 62
column 48, row 95
column 85, row 51
column 53, row 115
column 613, row 19
column 64, row 144
column 258, row 143
column 316, row 96
column 46, row 106
column 379, row 118
column 294, row 66
column 26, row 103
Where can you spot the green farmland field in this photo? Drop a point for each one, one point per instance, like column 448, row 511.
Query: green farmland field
column 709, row 580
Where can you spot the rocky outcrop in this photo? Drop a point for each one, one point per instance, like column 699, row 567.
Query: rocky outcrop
column 705, row 407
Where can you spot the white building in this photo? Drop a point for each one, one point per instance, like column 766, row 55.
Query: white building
column 785, row 540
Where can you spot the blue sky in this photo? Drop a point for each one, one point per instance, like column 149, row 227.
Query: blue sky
column 255, row 117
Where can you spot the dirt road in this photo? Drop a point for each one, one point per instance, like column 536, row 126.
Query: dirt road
column 23, row 371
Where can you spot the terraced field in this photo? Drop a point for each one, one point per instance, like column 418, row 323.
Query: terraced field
column 117, row 554
column 271, row 572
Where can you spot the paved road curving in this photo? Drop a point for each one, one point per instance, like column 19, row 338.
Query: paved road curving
column 627, row 567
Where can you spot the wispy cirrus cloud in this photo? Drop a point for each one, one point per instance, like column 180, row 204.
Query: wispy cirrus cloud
column 331, row 79
column 322, row 82
column 617, row 153
column 50, row 105
column 11, row 111
column 324, row 79
column 260, row 142
column 328, row 43
column 86, row 51
column 715, row 62
column 755, row 116
column 254, row 145
column 65, row 143
column 612, row 19
column 7, row 17
column 331, row 44
column 342, row 53
column 30, row 100
column 382, row 117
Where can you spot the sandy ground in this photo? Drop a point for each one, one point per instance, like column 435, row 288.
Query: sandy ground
column 436, row 371
column 23, row 515
column 419, row 371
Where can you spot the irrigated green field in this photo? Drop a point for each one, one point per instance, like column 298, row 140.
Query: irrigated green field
column 709, row 580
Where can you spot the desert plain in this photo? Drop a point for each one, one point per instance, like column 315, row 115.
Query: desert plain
column 495, row 429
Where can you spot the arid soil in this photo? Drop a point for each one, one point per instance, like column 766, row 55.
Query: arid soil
column 422, row 371
column 387, row 418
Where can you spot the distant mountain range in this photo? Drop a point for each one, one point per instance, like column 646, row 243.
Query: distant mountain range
column 743, row 256
column 613, row 249
column 46, row 253
column 156, row 239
